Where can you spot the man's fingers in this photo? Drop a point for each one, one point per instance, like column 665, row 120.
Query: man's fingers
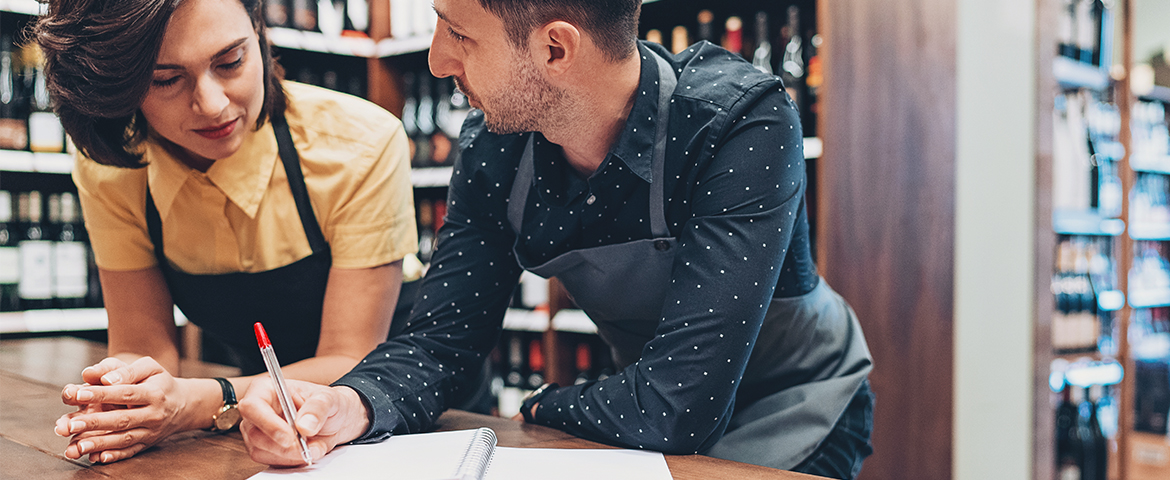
column 263, row 412
column 313, row 412
column 264, row 449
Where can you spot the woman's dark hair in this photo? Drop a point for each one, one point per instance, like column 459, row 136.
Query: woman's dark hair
column 99, row 62
column 613, row 24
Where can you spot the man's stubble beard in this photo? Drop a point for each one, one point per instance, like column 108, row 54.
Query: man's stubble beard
column 528, row 103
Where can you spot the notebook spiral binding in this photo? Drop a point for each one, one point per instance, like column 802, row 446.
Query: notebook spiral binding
column 478, row 456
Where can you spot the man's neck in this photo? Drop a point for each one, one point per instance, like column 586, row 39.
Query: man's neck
column 588, row 127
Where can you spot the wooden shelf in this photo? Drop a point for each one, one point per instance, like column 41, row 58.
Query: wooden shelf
column 26, row 7
column 573, row 320
column 1149, row 298
column 62, row 320
column 1073, row 74
column 1151, row 164
column 520, row 320
column 1085, row 222
column 349, row 46
column 1154, row 231
column 20, row 161
column 1085, row 370
column 430, row 176
column 1158, row 94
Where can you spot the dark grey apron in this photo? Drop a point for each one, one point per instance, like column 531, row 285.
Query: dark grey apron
column 808, row 361
column 288, row 300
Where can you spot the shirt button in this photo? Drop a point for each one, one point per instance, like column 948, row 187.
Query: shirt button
column 661, row 245
column 591, row 199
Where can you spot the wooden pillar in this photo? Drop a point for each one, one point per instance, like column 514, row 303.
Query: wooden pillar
column 886, row 213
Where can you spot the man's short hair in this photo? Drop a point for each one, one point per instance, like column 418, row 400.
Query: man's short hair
column 612, row 24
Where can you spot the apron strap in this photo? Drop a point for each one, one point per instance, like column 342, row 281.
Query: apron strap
column 523, row 182
column 296, row 182
column 666, row 84
column 520, row 186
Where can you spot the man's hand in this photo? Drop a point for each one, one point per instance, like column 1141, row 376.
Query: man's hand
column 326, row 417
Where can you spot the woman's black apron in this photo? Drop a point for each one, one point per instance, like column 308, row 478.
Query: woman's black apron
column 807, row 363
column 287, row 300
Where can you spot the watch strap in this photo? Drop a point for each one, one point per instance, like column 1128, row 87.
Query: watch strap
column 229, row 393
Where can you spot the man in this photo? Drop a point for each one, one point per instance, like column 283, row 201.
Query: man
column 667, row 194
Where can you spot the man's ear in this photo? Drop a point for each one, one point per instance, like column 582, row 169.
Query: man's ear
column 558, row 45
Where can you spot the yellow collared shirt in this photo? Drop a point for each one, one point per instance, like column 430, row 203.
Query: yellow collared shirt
column 240, row 216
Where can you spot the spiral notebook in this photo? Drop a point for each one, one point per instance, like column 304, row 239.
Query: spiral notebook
column 473, row 455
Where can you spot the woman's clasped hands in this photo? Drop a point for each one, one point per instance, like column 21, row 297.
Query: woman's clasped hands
column 123, row 409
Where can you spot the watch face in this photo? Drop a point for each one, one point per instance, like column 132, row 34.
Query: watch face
column 228, row 417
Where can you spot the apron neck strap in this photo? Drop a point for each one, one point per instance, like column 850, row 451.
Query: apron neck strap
column 296, row 182
column 524, row 175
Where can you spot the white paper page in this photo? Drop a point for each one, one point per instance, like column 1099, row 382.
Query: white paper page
column 419, row 456
column 576, row 464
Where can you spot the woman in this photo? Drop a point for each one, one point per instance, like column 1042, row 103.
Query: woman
column 208, row 183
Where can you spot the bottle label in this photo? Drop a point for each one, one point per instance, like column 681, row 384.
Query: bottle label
column 45, row 132
column 36, row 274
column 1070, row 472
column 71, row 273
column 9, row 265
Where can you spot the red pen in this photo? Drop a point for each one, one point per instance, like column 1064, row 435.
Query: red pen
column 286, row 403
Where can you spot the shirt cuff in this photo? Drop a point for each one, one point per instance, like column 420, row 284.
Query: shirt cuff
column 385, row 416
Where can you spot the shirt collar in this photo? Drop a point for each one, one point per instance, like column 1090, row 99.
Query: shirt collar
column 635, row 146
column 243, row 177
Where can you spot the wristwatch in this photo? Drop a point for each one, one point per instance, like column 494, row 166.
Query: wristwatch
column 228, row 416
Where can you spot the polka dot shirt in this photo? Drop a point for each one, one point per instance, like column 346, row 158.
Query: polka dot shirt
column 734, row 182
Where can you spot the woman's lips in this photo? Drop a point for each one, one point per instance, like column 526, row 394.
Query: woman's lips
column 218, row 131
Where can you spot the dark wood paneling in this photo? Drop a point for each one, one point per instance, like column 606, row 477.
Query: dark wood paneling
column 887, row 214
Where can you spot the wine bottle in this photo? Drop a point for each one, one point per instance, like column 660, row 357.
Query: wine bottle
column 1069, row 445
column 331, row 17
column 13, row 121
column 425, row 119
column 679, row 39
column 792, row 62
column 402, row 18
column 653, row 35
column 733, row 35
column 357, row 16
column 276, row 13
column 36, row 255
column 1085, row 30
column 9, row 257
column 515, row 376
column 1097, row 447
column 45, row 133
column 1066, row 36
column 535, row 376
column 426, row 232
column 584, row 363
column 762, row 58
column 706, row 30
column 70, row 257
column 304, row 14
